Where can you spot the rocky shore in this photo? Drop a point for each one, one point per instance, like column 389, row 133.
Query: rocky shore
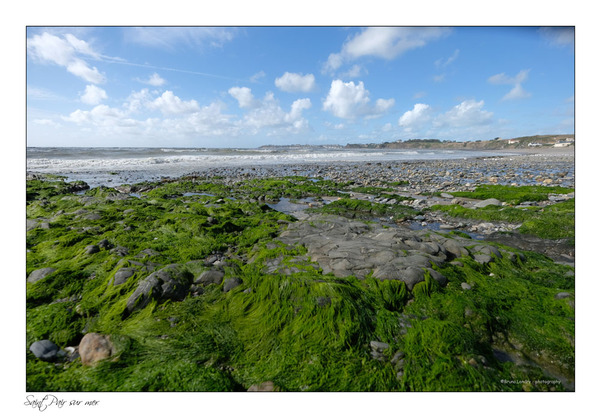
column 287, row 277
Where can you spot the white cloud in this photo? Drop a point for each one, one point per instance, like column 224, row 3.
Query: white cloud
column 257, row 76
column 383, row 42
column 153, row 80
column 267, row 113
column 441, row 63
column 46, row 122
column 559, row 36
column 169, row 104
column 349, row 101
column 517, row 92
column 171, row 37
column 244, row 96
column 93, row 95
column 466, row 114
column 66, row 52
column 420, row 114
column 293, row 82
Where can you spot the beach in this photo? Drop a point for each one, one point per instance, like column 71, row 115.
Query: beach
column 287, row 272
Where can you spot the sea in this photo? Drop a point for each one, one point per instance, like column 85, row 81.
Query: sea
column 116, row 165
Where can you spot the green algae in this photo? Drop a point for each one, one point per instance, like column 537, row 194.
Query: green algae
column 303, row 331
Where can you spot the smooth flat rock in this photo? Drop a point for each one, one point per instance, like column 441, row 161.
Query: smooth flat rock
column 39, row 274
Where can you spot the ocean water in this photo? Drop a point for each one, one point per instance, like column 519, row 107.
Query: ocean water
column 114, row 166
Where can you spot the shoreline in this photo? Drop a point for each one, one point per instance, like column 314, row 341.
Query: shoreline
column 528, row 163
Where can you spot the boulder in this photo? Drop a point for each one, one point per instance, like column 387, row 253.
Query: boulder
column 210, row 277
column 94, row 348
column 39, row 274
column 92, row 249
column 231, row 283
column 171, row 282
column 45, row 350
column 122, row 275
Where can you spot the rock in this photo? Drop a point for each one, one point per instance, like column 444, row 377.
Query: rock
column 465, row 286
column 171, row 282
column 122, row 275
column 92, row 249
column 231, row 283
column 94, row 348
column 104, row 244
column 482, row 258
column 267, row 386
column 39, row 274
column 488, row 202
column 379, row 346
column 399, row 355
column 210, row 277
column 45, row 350
column 562, row 295
column 93, row 217
column 447, row 196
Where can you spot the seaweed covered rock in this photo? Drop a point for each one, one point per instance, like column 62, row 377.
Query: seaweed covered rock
column 171, row 282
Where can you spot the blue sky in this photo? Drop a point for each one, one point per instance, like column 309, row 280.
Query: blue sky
column 250, row 86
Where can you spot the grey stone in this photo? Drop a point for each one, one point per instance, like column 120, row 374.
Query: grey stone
column 562, row 295
column 92, row 249
column 171, row 282
column 105, row 244
column 210, row 277
column 465, row 286
column 122, row 275
column 45, row 350
column 488, row 202
column 39, row 274
column 379, row 346
column 231, row 283
column 482, row 258
column 411, row 276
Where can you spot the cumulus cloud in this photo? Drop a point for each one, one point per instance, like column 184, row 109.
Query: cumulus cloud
column 153, row 80
column 169, row 104
column 68, row 52
column 466, row 114
column 517, row 92
column 184, row 119
column 420, row 114
column 93, row 95
column 267, row 113
column 383, row 42
column 244, row 97
column 294, row 82
column 349, row 101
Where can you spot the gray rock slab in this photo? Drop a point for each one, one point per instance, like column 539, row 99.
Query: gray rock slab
column 39, row 274
column 488, row 202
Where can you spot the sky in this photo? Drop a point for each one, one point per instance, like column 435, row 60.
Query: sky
column 234, row 86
